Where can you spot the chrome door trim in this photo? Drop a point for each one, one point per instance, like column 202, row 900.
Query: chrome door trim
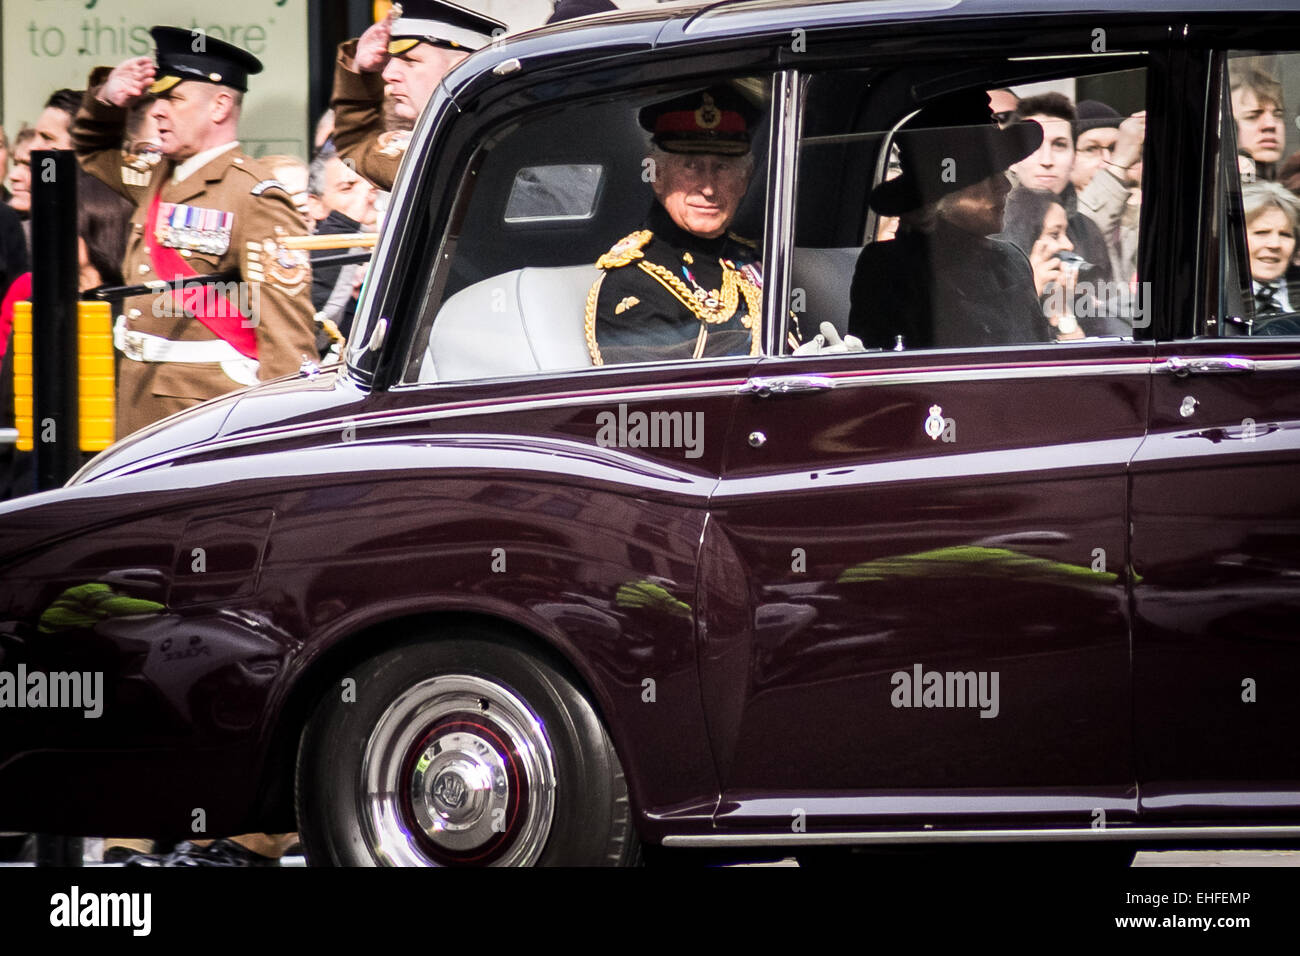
column 1065, row 834
column 766, row 385
column 1208, row 364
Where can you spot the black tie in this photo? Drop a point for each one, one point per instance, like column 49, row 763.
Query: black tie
column 1266, row 300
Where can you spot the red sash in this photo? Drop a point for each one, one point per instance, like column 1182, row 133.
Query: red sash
column 226, row 321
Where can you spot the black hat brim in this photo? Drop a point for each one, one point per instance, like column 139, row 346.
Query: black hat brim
column 976, row 152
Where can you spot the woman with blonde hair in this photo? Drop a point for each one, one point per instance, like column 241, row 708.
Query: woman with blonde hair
column 1272, row 214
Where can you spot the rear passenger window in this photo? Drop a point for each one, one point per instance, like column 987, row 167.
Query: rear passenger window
column 934, row 213
column 544, row 194
column 1258, row 206
column 614, row 231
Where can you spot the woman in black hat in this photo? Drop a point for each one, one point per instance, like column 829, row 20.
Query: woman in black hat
column 942, row 282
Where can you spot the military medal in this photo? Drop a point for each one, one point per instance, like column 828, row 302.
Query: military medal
column 192, row 227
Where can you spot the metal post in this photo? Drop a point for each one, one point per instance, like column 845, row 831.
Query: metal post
column 54, row 316
column 54, row 361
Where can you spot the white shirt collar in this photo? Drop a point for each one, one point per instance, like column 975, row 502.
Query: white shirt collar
column 199, row 160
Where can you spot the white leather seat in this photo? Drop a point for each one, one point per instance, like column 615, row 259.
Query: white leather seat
column 531, row 320
column 528, row 320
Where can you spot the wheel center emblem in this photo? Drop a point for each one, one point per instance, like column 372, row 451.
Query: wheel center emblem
column 450, row 790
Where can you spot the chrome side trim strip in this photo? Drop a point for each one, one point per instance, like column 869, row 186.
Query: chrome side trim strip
column 711, row 388
column 998, row 373
column 1066, row 834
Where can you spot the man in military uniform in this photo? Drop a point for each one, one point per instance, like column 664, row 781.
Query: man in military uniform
column 207, row 208
column 410, row 51
column 682, row 286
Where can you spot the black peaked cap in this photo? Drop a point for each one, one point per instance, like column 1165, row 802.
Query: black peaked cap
column 193, row 55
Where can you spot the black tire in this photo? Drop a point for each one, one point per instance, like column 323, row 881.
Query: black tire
column 411, row 713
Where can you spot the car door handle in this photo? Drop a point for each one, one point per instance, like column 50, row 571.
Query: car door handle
column 1217, row 364
column 786, row 385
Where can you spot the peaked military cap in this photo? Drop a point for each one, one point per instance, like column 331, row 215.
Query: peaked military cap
column 193, row 55
column 442, row 24
column 716, row 120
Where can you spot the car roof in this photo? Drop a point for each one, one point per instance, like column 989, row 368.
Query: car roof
column 679, row 24
column 739, row 15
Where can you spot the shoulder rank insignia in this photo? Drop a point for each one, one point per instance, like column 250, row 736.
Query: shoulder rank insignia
column 628, row 249
column 394, row 142
column 266, row 184
column 135, row 177
column 626, row 304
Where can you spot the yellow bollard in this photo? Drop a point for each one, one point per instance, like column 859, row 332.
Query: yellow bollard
column 96, row 383
column 95, row 391
column 23, row 374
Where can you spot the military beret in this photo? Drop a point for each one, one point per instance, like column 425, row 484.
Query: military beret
column 442, row 24
column 717, row 120
column 193, row 55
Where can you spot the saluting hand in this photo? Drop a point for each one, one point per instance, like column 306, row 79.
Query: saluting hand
column 1128, row 146
column 128, row 81
column 372, row 48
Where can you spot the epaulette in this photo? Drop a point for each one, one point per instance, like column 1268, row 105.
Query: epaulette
column 262, row 175
column 266, row 184
column 628, row 249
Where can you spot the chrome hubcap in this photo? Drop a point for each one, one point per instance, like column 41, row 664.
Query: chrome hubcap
column 458, row 771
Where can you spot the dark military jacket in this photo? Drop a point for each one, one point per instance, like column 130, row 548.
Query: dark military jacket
column 668, row 294
column 240, row 214
column 359, row 134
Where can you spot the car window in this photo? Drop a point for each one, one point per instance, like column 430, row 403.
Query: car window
column 936, row 214
column 563, row 191
column 611, row 231
column 1258, row 208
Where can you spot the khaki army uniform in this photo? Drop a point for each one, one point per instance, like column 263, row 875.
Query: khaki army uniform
column 240, row 215
column 359, row 134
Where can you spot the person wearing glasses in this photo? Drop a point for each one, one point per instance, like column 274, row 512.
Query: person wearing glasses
column 1107, row 179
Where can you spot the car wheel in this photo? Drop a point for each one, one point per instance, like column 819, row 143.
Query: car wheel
column 460, row 750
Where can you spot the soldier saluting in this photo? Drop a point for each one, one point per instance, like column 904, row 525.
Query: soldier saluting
column 207, row 208
column 409, row 51
column 682, row 286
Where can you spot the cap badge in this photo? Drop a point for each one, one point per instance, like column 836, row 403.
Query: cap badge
column 708, row 116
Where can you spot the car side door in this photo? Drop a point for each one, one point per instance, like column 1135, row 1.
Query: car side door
column 933, row 625
column 1216, row 545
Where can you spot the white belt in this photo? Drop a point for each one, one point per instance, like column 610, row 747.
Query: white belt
column 143, row 347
